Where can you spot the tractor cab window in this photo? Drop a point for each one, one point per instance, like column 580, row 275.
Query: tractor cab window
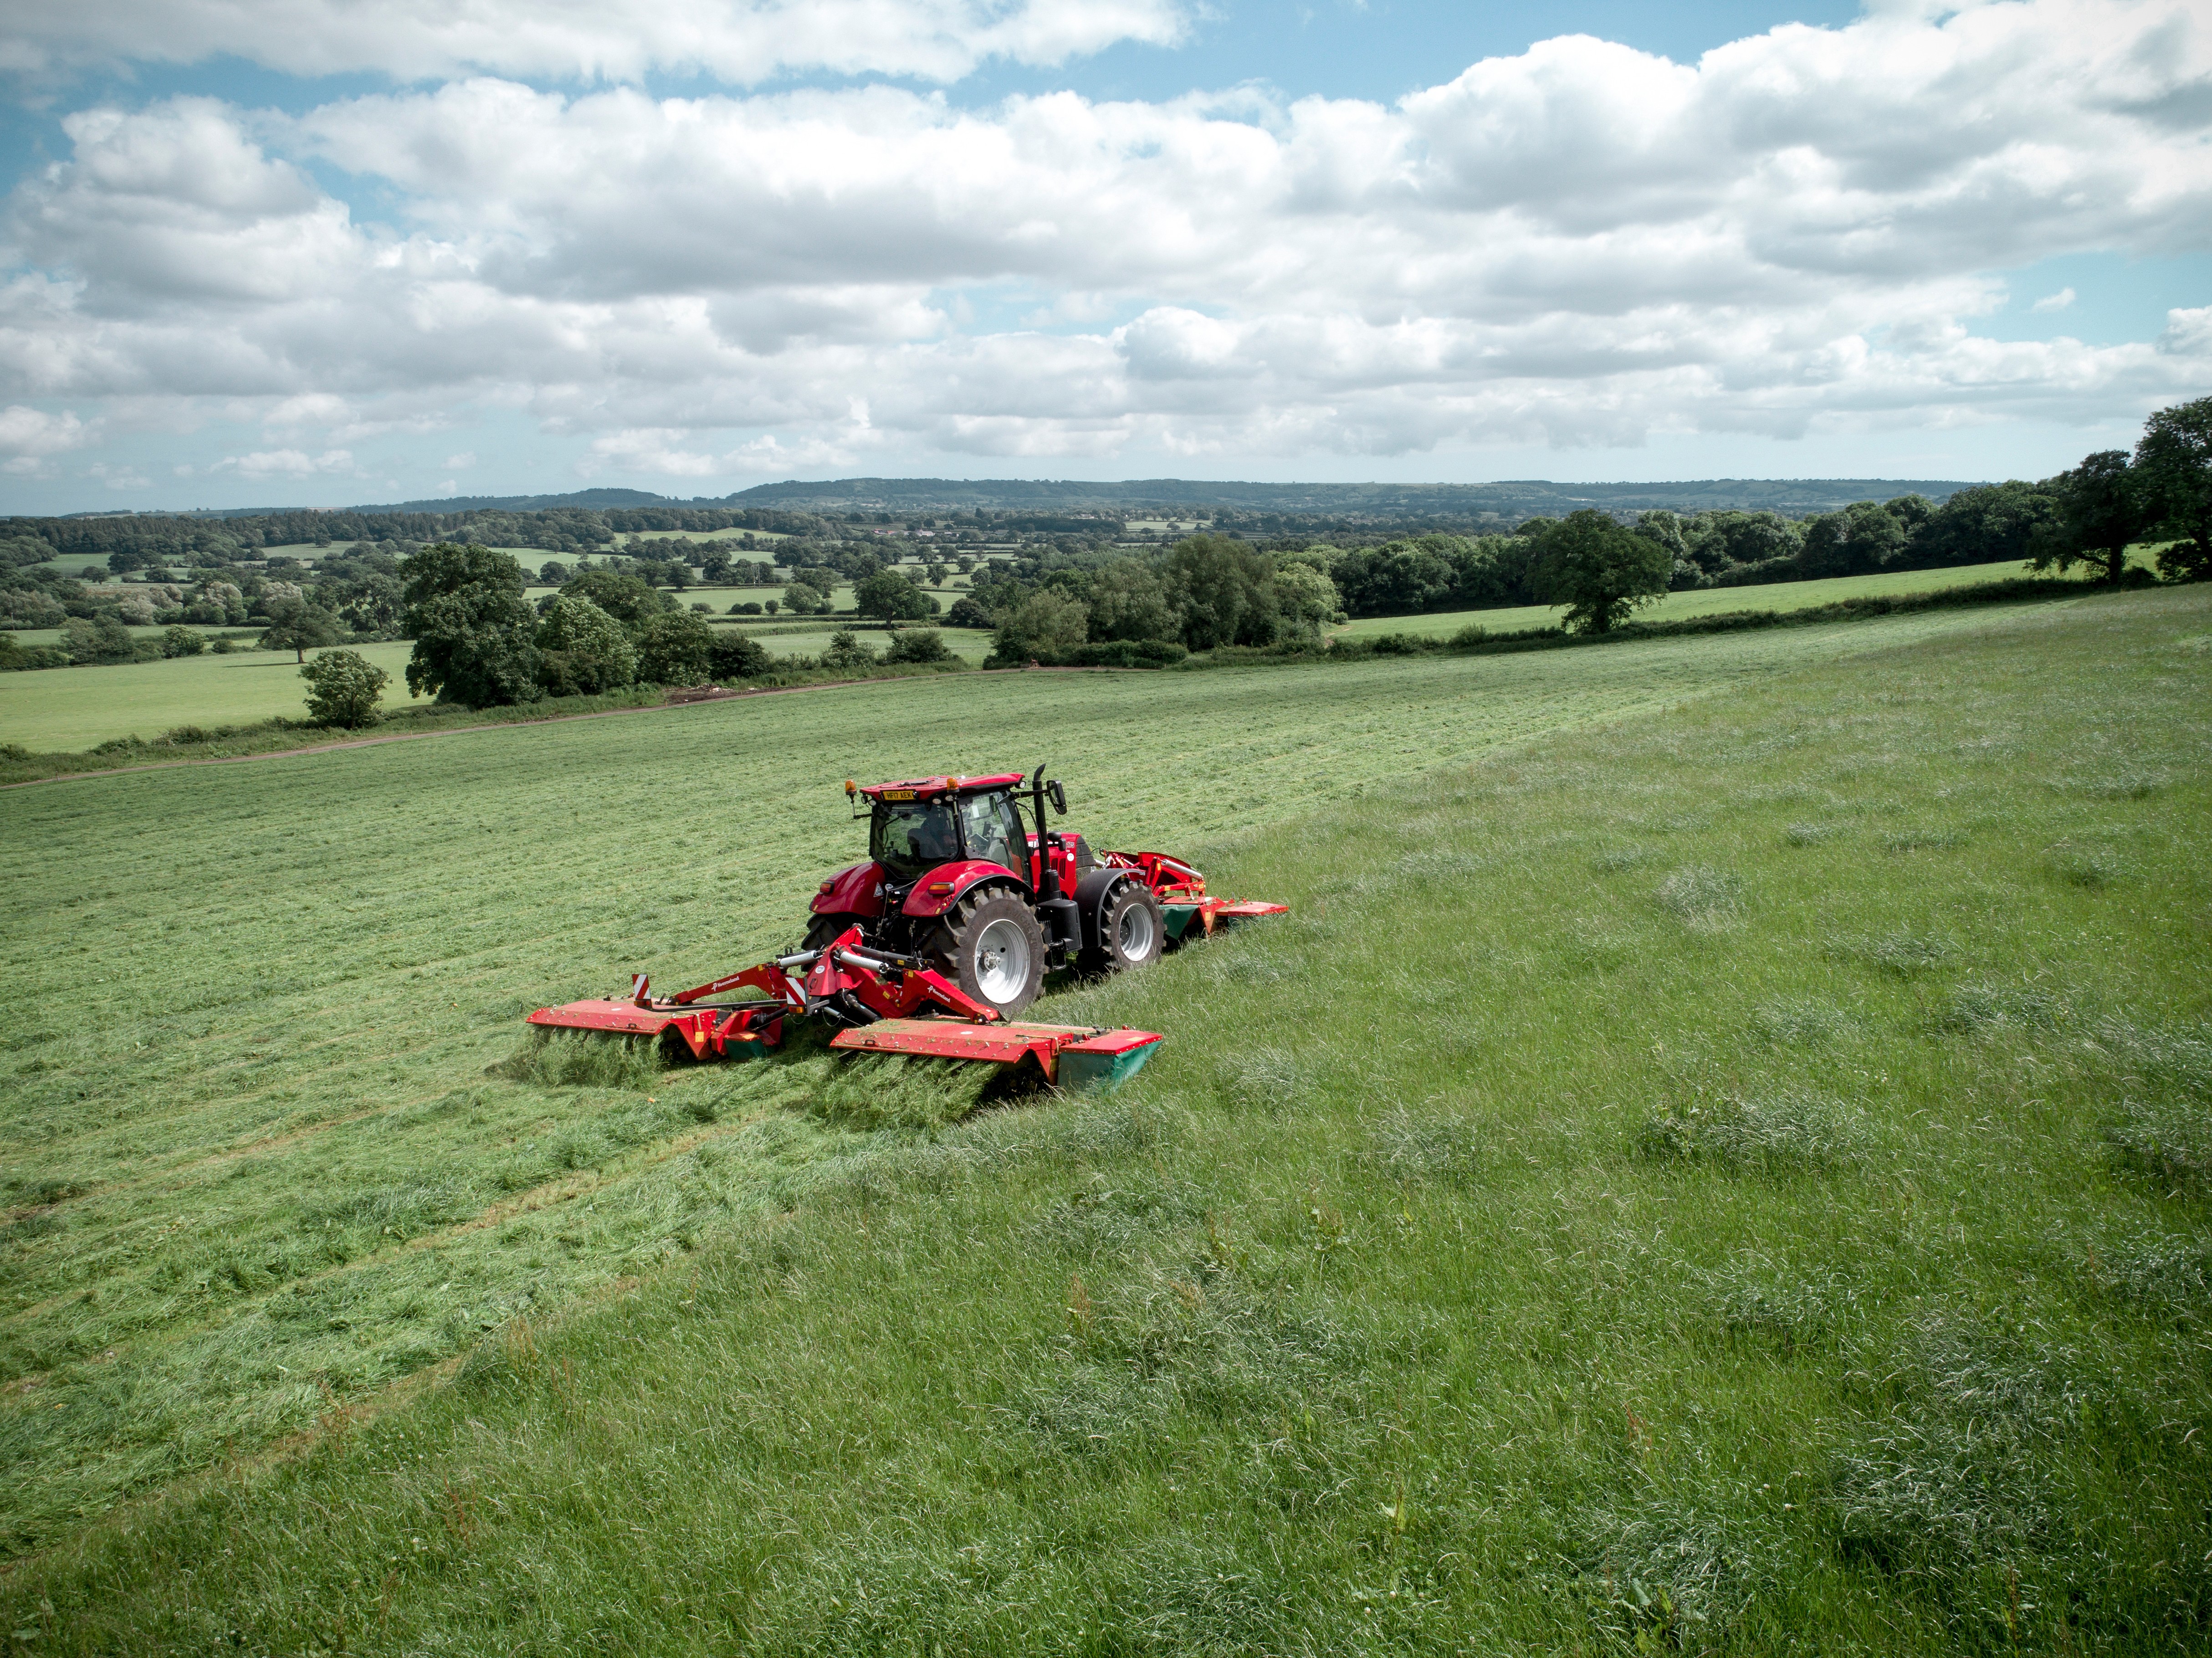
column 908, row 837
column 992, row 829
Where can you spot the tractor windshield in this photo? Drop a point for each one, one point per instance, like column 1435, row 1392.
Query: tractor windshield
column 908, row 837
column 993, row 831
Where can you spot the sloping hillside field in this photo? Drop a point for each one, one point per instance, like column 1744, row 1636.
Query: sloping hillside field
column 1720, row 1154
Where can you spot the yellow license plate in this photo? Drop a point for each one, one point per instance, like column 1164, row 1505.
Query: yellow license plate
column 898, row 794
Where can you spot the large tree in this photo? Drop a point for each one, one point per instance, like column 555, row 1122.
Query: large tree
column 888, row 596
column 2101, row 511
column 675, row 649
column 1128, row 600
column 1047, row 622
column 1865, row 537
column 1222, row 588
column 624, row 598
column 585, row 650
column 1305, row 599
column 1400, row 578
column 343, row 689
column 1988, row 524
column 2175, row 462
column 471, row 627
column 295, row 625
column 1599, row 571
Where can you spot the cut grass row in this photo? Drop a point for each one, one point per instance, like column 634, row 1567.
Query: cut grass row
column 251, row 1080
column 1722, row 1177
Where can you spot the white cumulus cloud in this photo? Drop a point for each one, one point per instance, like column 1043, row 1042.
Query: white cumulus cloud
column 1582, row 245
column 285, row 464
column 742, row 41
column 31, row 438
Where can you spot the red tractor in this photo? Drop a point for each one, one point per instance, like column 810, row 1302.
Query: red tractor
column 955, row 915
column 954, row 879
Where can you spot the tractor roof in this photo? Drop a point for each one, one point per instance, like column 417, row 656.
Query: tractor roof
column 924, row 788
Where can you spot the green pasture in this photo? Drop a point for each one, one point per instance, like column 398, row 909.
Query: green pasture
column 30, row 638
column 1716, row 1159
column 77, row 707
column 971, row 645
column 70, row 708
column 1710, row 601
column 840, row 598
column 722, row 598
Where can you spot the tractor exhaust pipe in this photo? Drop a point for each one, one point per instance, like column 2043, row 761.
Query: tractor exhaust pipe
column 1061, row 923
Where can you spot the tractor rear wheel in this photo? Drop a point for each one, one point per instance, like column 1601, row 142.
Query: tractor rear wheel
column 992, row 947
column 1132, row 932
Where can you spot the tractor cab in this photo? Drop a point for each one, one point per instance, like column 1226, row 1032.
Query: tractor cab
column 915, row 827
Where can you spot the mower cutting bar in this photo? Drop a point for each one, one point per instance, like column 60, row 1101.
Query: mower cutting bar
column 1072, row 1056
column 746, row 1029
column 1180, row 911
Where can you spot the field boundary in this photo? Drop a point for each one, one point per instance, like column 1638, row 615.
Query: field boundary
column 500, row 725
column 1472, row 641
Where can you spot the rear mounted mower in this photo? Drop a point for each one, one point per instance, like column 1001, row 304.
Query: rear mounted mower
column 932, row 946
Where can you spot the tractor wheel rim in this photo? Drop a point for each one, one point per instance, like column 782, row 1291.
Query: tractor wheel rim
column 1134, row 932
column 1002, row 961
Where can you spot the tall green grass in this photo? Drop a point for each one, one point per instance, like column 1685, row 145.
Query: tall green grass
column 1603, row 1213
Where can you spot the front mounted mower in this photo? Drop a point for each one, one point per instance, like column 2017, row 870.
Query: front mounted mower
column 934, row 944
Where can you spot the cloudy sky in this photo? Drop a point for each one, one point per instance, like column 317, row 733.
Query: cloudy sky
column 318, row 252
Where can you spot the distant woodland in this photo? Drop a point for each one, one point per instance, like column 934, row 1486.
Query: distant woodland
column 1059, row 581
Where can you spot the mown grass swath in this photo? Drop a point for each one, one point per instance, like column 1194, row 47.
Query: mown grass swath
column 1698, row 1169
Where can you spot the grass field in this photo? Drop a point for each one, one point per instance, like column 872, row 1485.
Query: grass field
column 1675, row 1176
column 76, row 707
column 70, row 708
column 1708, row 601
column 970, row 644
column 67, row 708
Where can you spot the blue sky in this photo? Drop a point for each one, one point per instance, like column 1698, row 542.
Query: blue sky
column 264, row 252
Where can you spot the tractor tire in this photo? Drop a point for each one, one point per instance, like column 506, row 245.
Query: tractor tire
column 992, row 947
column 1132, row 932
column 823, row 929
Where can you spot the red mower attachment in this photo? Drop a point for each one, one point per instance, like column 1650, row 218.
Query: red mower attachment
column 741, row 1031
column 875, row 996
column 844, row 981
column 1069, row 1055
column 1180, row 891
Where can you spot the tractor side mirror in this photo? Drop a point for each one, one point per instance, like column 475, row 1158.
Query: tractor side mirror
column 1059, row 797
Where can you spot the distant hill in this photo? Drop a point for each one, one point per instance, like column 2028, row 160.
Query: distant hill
column 595, row 499
column 1513, row 499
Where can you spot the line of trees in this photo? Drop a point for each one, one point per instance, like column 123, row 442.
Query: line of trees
column 478, row 640
column 1069, row 600
column 1212, row 590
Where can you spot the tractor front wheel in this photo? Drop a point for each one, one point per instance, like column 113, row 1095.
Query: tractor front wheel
column 824, row 930
column 1132, row 932
column 993, row 948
